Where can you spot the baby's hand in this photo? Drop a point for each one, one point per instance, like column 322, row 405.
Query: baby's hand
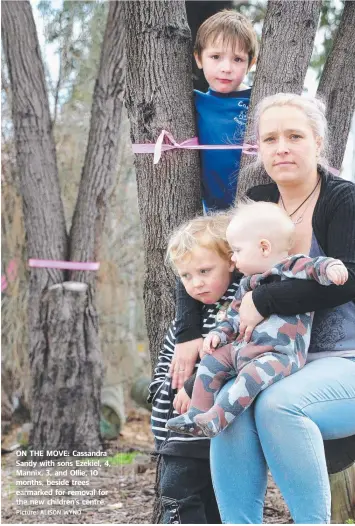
column 182, row 401
column 210, row 343
column 337, row 273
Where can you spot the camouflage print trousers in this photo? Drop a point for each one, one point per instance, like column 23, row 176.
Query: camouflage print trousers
column 278, row 349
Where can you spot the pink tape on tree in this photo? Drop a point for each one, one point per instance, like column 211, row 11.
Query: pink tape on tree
column 63, row 265
column 189, row 144
column 11, row 273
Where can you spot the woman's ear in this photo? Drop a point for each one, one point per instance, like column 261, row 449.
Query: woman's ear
column 198, row 60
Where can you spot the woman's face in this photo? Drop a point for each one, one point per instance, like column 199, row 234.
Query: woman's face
column 288, row 147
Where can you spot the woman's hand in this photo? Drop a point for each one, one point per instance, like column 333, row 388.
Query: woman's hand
column 250, row 317
column 182, row 401
column 184, row 360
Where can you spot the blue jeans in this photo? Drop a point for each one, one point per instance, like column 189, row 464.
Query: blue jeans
column 285, row 429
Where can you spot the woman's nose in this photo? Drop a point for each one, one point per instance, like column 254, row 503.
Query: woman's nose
column 282, row 146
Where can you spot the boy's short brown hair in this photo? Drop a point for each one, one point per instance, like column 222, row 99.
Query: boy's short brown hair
column 234, row 28
column 203, row 231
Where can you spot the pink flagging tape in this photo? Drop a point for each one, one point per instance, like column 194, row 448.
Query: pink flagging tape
column 63, row 265
column 192, row 144
column 189, row 144
column 11, row 273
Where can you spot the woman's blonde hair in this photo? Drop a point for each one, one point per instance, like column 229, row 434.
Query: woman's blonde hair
column 313, row 108
column 233, row 27
column 203, row 231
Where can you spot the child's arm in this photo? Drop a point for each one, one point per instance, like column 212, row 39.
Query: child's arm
column 324, row 270
column 188, row 336
column 163, row 362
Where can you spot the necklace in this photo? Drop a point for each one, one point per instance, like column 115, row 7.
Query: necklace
column 300, row 218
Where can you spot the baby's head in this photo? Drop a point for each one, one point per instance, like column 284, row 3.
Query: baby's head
column 200, row 255
column 260, row 235
column 225, row 48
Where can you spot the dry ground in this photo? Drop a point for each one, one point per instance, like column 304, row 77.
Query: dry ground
column 130, row 487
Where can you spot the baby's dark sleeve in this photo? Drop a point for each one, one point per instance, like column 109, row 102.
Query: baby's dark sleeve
column 188, row 315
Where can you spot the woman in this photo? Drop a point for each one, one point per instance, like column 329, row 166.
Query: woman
column 288, row 422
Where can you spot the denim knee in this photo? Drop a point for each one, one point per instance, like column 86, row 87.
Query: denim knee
column 270, row 402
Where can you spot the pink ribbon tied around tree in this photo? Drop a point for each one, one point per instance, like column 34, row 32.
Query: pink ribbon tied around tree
column 189, row 144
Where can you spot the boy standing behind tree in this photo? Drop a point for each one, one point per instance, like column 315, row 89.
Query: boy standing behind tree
column 225, row 49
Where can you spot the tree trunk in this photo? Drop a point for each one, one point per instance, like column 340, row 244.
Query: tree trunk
column 159, row 96
column 100, row 163
column 66, row 365
column 337, row 85
column 342, row 485
column 280, row 68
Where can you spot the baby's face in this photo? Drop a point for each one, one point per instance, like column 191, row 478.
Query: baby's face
column 205, row 274
column 248, row 256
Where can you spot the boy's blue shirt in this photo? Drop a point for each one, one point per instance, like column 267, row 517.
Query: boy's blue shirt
column 221, row 119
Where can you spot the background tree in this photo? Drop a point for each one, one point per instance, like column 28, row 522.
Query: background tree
column 64, row 347
column 159, row 96
column 337, row 85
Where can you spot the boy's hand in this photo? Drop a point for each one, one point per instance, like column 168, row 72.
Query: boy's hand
column 210, row 343
column 184, row 360
column 337, row 273
column 182, row 401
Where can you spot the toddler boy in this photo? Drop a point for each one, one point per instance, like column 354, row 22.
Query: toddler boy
column 199, row 254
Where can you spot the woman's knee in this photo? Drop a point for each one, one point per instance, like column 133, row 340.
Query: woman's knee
column 274, row 399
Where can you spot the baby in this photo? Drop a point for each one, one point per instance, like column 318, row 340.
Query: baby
column 260, row 236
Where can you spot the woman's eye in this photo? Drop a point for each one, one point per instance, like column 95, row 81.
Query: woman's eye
column 183, row 276
column 205, row 270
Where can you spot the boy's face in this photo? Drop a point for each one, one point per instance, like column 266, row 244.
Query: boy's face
column 205, row 274
column 249, row 254
column 224, row 66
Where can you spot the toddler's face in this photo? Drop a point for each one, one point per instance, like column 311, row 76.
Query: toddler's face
column 205, row 274
column 224, row 66
column 247, row 254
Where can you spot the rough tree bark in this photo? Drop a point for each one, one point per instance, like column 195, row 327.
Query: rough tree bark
column 280, row 67
column 337, row 85
column 64, row 345
column 159, row 96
